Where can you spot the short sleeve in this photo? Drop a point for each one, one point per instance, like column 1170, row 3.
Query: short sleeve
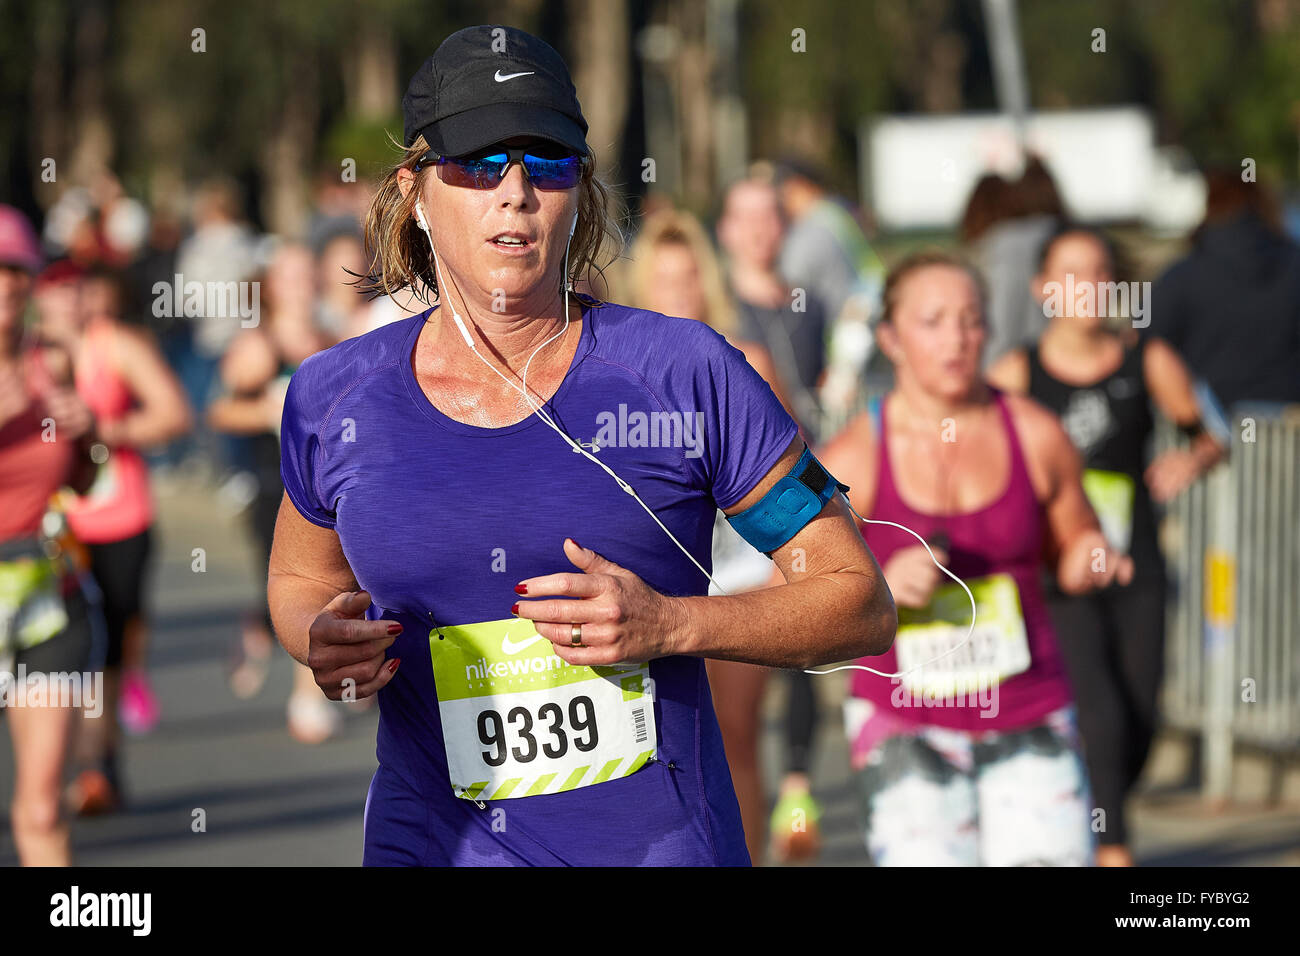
column 746, row 429
column 300, row 450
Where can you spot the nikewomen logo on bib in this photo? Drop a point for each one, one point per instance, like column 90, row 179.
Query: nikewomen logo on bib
column 509, row 76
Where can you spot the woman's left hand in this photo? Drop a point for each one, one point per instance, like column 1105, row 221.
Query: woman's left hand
column 622, row 617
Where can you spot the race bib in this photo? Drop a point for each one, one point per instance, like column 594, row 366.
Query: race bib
column 1111, row 496
column 518, row 720
column 998, row 647
column 31, row 608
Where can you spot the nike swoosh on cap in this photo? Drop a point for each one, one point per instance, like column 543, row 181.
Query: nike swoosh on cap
column 509, row 76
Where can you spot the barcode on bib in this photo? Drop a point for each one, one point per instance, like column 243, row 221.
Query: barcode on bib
column 638, row 721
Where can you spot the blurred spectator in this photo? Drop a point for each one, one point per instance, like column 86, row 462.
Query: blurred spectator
column 1232, row 306
column 1009, row 227
column 255, row 377
column 826, row 254
column 221, row 250
column 750, row 232
column 989, row 204
column 341, row 310
column 825, row 251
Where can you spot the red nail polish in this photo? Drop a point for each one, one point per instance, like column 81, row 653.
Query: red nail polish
column 392, row 665
column 521, row 588
column 575, row 542
column 514, row 609
column 394, row 629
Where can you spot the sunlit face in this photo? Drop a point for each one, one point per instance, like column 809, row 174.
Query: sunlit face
column 340, row 257
column 15, row 283
column 61, row 308
column 751, row 227
column 468, row 224
column 675, row 283
column 291, row 278
column 1077, row 261
column 937, row 332
column 99, row 298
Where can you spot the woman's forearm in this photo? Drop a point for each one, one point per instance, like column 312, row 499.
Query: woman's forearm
column 818, row 620
column 295, row 602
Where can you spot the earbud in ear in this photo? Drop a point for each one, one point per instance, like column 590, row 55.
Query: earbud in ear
column 419, row 217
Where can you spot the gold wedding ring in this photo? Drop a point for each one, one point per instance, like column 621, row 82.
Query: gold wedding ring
column 575, row 636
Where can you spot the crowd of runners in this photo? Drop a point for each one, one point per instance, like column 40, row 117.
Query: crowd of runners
column 986, row 425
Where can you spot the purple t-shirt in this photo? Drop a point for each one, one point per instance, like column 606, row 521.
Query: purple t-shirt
column 428, row 509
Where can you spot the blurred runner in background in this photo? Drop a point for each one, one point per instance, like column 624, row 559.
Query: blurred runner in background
column 826, row 254
column 675, row 271
column 1102, row 385
column 1018, row 218
column 255, row 374
column 137, row 403
column 46, row 622
column 750, row 232
column 972, row 759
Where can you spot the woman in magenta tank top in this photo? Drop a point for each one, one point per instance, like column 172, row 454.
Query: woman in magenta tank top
column 969, row 756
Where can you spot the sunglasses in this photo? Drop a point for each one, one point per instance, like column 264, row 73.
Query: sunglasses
column 547, row 167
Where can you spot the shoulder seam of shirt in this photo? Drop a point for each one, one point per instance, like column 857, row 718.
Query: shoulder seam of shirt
column 329, row 412
column 653, row 394
column 348, row 388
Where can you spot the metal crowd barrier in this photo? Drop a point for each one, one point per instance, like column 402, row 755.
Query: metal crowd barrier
column 1232, row 543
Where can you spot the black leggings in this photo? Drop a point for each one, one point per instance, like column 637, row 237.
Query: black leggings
column 1113, row 644
column 119, row 569
column 801, row 723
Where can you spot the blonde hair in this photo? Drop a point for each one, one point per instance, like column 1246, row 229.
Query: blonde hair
column 398, row 254
column 677, row 227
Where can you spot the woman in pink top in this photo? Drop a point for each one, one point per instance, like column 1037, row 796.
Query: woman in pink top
column 137, row 402
column 45, row 628
column 971, row 759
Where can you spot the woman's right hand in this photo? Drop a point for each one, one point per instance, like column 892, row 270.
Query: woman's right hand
column 912, row 575
column 346, row 652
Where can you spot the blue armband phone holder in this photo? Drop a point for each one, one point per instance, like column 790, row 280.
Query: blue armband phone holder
column 788, row 505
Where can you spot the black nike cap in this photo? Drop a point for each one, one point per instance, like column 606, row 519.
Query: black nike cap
column 488, row 83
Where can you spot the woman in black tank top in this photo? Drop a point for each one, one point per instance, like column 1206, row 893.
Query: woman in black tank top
column 1103, row 388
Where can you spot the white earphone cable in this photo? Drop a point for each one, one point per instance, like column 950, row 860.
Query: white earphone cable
column 540, row 413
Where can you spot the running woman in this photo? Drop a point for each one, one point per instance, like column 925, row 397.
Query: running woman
column 45, row 621
column 971, row 759
column 138, row 403
column 1103, row 387
column 542, row 701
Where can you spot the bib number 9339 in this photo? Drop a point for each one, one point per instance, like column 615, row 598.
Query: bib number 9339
column 518, row 720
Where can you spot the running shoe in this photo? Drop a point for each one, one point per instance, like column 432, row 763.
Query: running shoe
column 92, row 794
column 138, row 707
column 251, row 661
column 795, row 833
column 313, row 719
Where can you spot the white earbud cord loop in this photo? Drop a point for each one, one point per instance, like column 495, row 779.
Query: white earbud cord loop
column 540, row 413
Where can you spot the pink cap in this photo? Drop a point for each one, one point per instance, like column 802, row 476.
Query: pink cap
column 18, row 246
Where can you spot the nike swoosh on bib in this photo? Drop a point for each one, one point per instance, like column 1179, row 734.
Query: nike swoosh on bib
column 510, row 647
column 509, row 76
